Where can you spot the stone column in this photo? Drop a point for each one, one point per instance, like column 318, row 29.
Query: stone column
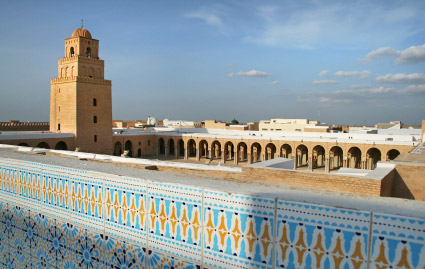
column 294, row 161
column 249, row 158
column 186, row 155
column 197, row 154
column 223, row 157
column 210, row 154
column 167, row 149
column 176, row 152
column 236, row 157
column 327, row 165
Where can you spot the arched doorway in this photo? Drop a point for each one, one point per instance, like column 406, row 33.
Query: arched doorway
column 203, row 149
column 302, row 156
column 215, row 150
column 228, row 151
column 242, row 150
column 270, row 151
column 181, row 148
column 161, row 146
column 256, row 152
column 373, row 155
column 354, row 158
column 171, row 150
column 43, row 145
column 392, row 154
column 191, row 148
column 336, row 158
column 129, row 147
column 286, row 151
column 61, row 146
column 319, row 158
column 117, row 149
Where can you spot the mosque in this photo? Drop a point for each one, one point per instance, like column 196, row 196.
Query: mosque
column 83, row 195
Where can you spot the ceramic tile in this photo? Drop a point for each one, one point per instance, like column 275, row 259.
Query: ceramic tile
column 31, row 188
column 8, row 224
column 159, row 260
column 55, row 243
column 86, row 249
column 175, row 220
column 309, row 235
column 86, row 201
column 238, row 230
column 397, row 242
column 123, row 254
column 31, row 232
column 126, row 209
column 54, row 194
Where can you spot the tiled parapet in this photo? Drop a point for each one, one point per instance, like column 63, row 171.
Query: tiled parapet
column 317, row 236
column 86, row 200
column 175, row 220
column 125, row 208
column 238, row 230
column 397, row 242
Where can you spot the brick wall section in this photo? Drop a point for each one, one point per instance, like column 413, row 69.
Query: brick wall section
column 293, row 178
column 315, row 180
column 409, row 181
column 387, row 184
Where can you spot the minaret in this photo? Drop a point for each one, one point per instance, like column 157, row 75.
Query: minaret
column 80, row 98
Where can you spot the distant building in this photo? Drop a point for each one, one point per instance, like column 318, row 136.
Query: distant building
column 292, row 125
column 181, row 123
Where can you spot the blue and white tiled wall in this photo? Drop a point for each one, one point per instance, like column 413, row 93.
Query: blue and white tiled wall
column 59, row 217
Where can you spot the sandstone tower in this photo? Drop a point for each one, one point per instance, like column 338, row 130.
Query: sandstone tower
column 80, row 98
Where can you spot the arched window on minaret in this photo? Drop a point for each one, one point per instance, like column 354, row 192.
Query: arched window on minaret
column 72, row 71
column 71, row 52
column 66, row 72
column 88, row 52
column 91, row 72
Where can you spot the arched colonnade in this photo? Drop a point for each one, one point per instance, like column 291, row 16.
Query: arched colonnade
column 310, row 156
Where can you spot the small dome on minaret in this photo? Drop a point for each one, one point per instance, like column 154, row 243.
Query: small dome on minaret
column 81, row 32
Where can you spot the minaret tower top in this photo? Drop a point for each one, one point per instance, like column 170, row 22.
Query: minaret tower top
column 81, row 43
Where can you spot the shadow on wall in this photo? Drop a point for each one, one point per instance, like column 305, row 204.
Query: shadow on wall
column 400, row 189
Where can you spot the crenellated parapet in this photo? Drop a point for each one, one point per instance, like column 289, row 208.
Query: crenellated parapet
column 80, row 59
column 55, row 81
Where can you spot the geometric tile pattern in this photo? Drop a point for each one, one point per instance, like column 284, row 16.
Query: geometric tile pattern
column 175, row 220
column 238, row 230
column 68, row 218
column 321, row 236
column 397, row 242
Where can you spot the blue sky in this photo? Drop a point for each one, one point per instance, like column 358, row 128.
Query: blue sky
column 345, row 62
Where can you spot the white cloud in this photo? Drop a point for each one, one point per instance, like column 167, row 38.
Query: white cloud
column 362, row 74
column 320, row 24
column 386, row 51
column 401, row 78
column 304, row 99
column 325, row 82
column 413, row 89
column 252, row 73
column 328, row 100
column 413, row 54
column 273, row 83
column 207, row 17
column 323, row 73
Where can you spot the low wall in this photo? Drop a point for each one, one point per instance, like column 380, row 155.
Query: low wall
column 65, row 217
column 409, row 180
